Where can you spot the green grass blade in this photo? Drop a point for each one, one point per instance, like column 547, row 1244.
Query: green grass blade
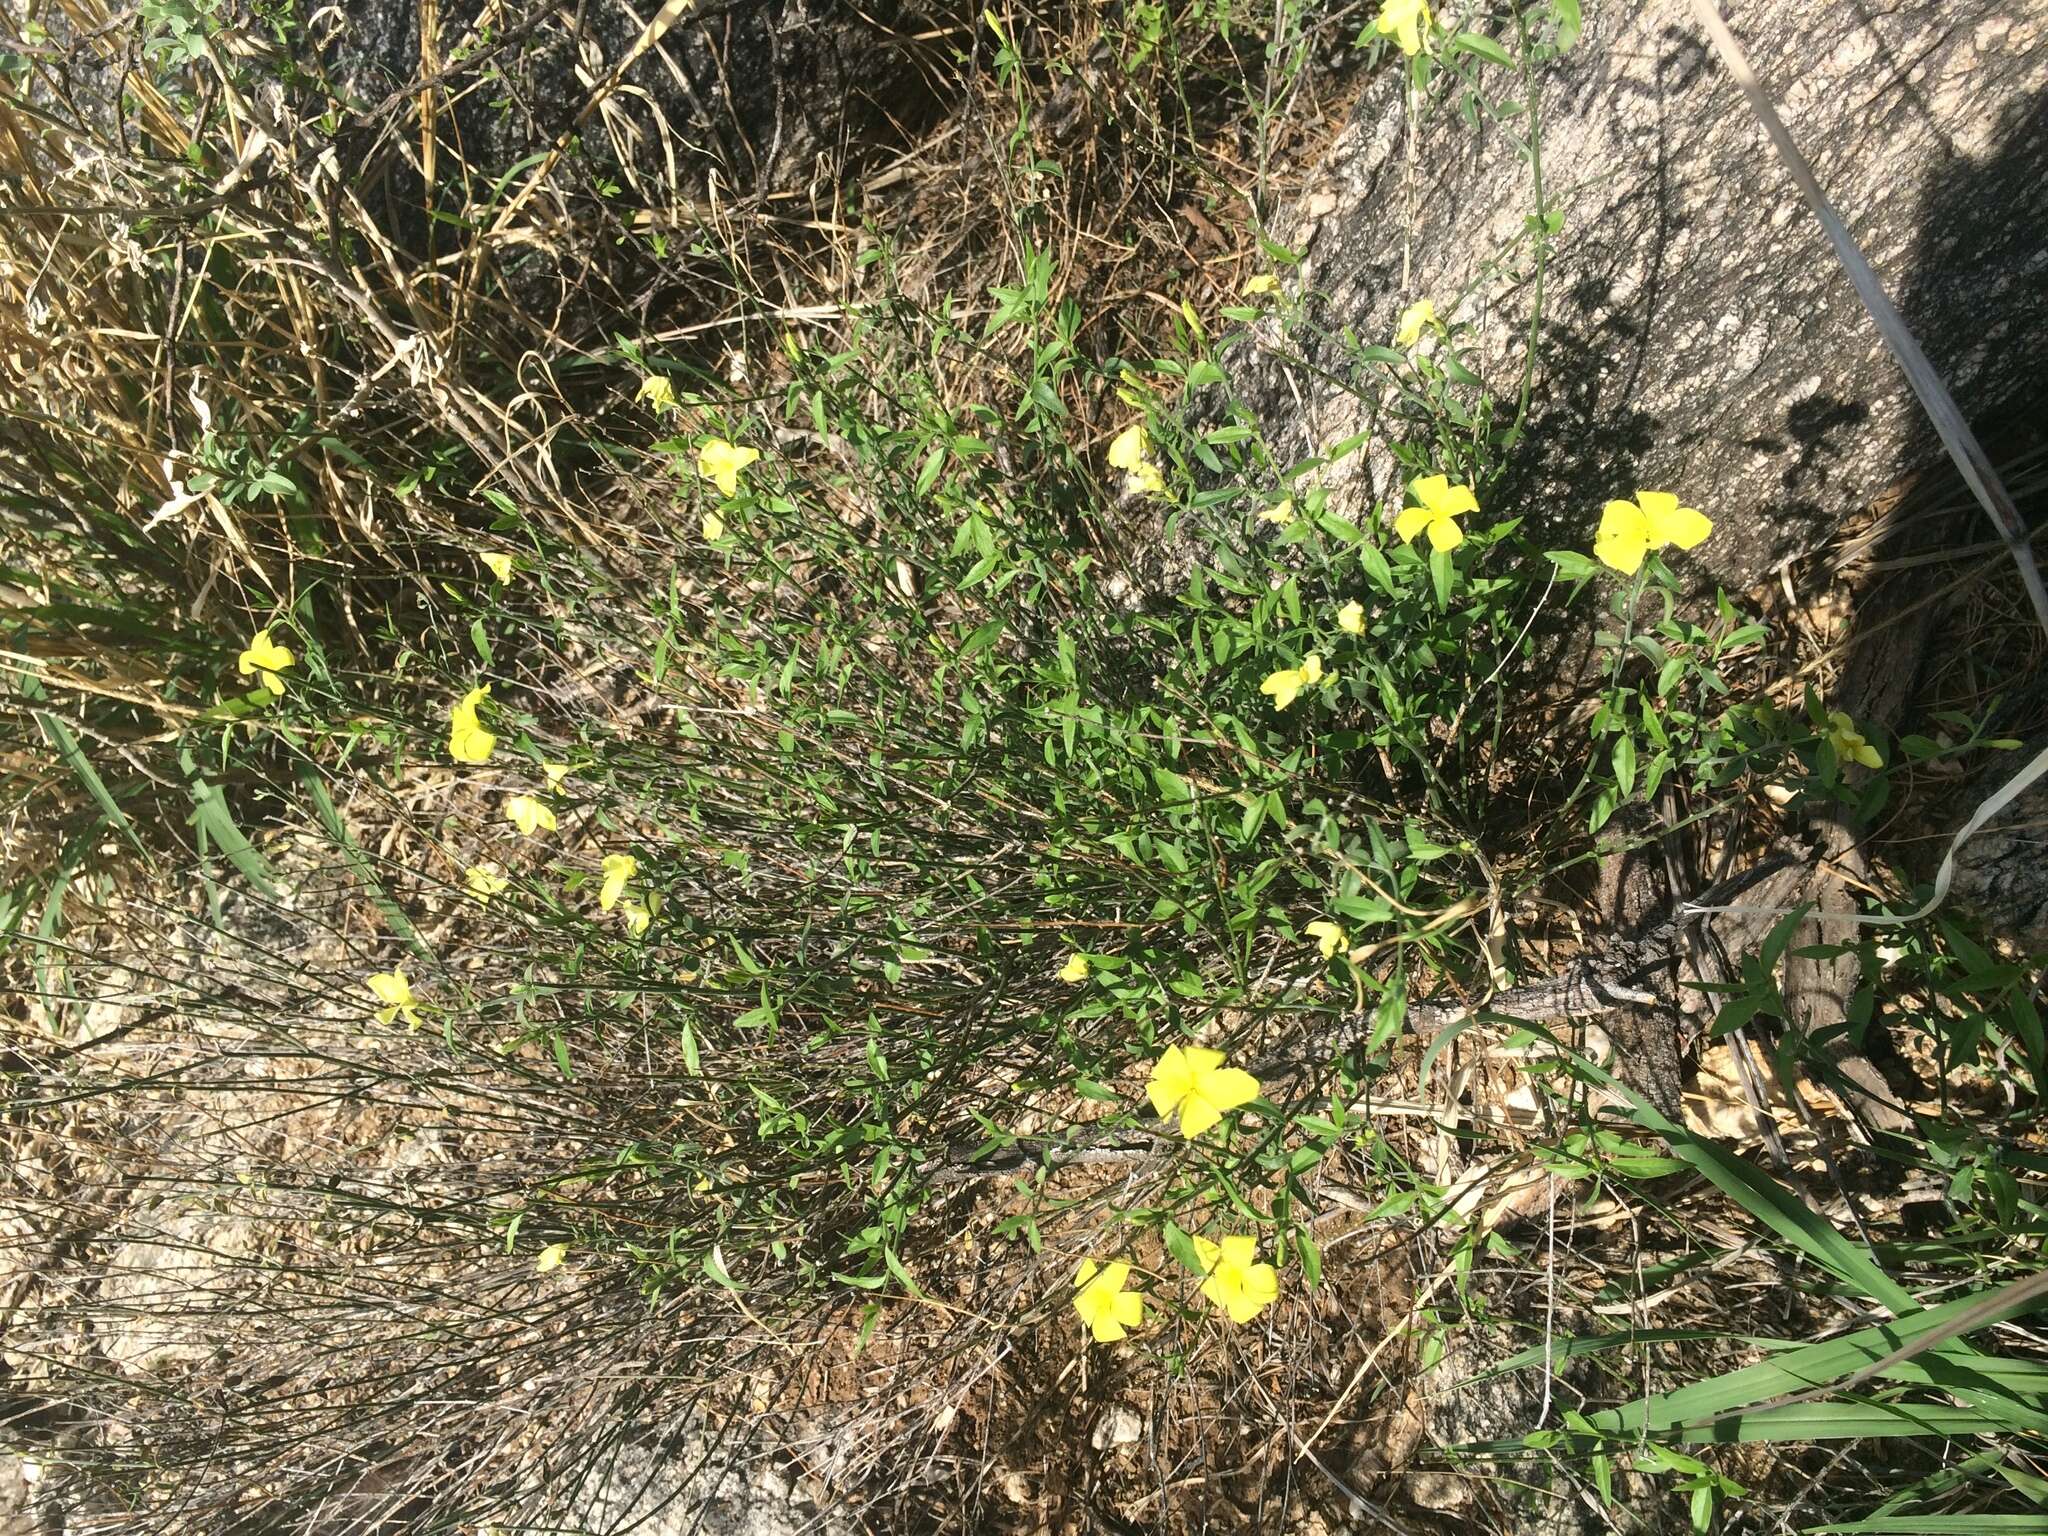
column 1790, row 1423
column 215, row 823
column 1560, row 1350
column 82, row 769
column 358, row 861
column 1821, row 1365
column 1768, row 1201
column 1938, row 1525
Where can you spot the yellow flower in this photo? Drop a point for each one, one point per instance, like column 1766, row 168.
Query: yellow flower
column 657, row 391
column 1351, row 618
column 1105, row 1306
column 1076, row 969
column 637, row 917
column 500, row 564
column 1237, row 1282
column 1194, row 1082
column 1442, row 503
column 618, row 869
column 713, row 528
column 1415, row 319
column 485, row 881
column 720, row 462
column 1328, row 936
column 1405, row 21
column 1848, row 742
column 528, row 815
column 265, row 658
column 468, row 741
column 1265, row 282
column 1630, row 529
column 1131, row 452
column 556, row 772
column 551, row 1256
column 1289, row 681
column 1280, row 514
column 395, row 993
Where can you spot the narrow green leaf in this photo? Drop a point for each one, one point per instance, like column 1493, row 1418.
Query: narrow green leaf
column 358, row 862
column 82, row 769
column 215, row 824
column 1482, row 48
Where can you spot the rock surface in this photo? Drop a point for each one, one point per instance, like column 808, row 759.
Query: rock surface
column 1699, row 335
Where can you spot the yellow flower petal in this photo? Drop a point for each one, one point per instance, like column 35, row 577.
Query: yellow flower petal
column 1445, row 534
column 393, row 990
column 551, row 1256
column 468, row 741
column 1849, row 743
column 1197, row 1114
column 1193, row 1081
column 556, row 772
column 1131, row 452
column 1282, row 686
column 1624, row 537
column 485, row 881
column 1415, row 319
column 720, row 462
column 1351, row 618
column 657, row 390
column 1443, row 498
column 713, row 528
column 618, row 869
column 471, row 744
column 1265, row 282
column 500, row 564
column 1076, row 968
column 1405, row 21
column 264, row 658
column 1102, row 1302
column 529, row 815
column 1146, row 480
column 1280, row 514
column 1129, row 448
column 1328, row 936
column 1668, row 523
column 1410, row 522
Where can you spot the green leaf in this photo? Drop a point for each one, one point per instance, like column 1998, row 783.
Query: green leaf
column 982, row 639
column 82, row 769
column 1311, row 1260
column 1604, row 804
column 358, row 862
column 1377, row 568
column 1625, row 765
column 1173, row 789
column 1568, row 22
column 216, row 826
column 1388, row 1018
column 1573, row 564
column 1182, row 1247
column 1938, row 1525
column 714, row 1266
column 902, row 1275
column 1484, row 48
